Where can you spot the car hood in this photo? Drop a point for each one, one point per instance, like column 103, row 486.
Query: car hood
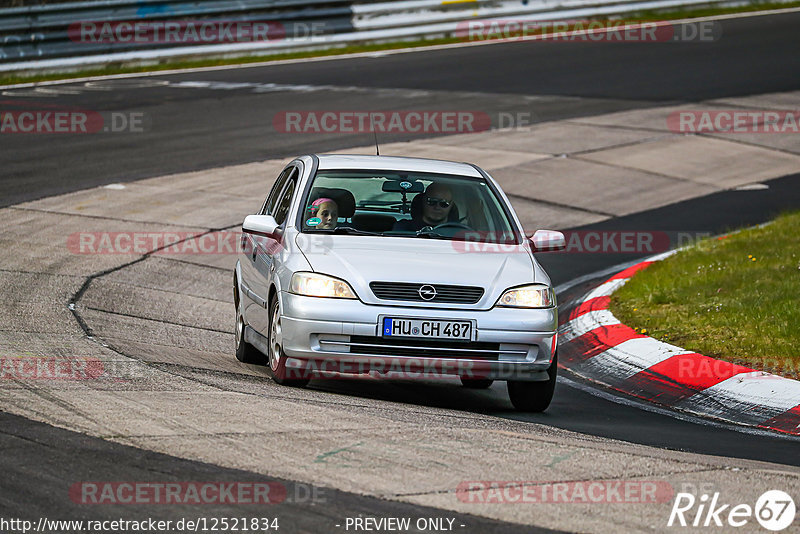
column 363, row 259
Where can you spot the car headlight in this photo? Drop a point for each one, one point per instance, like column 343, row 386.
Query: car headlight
column 320, row 285
column 530, row 296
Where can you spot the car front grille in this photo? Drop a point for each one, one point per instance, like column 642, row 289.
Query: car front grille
column 424, row 348
column 444, row 293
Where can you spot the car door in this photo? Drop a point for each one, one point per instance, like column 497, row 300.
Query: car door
column 260, row 253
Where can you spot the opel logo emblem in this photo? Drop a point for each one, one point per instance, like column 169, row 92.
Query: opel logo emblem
column 427, row 292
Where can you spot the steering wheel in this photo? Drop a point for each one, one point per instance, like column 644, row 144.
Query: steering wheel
column 450, row 228
column 452, row 224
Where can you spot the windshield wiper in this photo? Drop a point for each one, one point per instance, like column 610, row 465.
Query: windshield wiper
column 431, row 234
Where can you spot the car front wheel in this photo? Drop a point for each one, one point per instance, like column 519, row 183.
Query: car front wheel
column 277, row 359
column 534, row 396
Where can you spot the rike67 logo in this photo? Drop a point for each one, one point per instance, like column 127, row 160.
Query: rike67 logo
column 774, row 510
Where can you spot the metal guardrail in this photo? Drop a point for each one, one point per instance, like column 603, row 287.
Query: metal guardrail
column 39, row 37
column 44, row 31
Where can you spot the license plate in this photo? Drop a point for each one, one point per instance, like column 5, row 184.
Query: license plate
column 427, row 328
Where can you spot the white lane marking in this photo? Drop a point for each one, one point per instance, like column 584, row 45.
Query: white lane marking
column 58, row 91
column 356, row 55
column 114, row 83
column 308, row 88
column 25, row 93
column 752, row 187
column 107, row 85
column 631, row 357
column 212, row 85
column 255, row 88
column 586, row 323
column 192, row 85
column 595, row 391
column 45, row 91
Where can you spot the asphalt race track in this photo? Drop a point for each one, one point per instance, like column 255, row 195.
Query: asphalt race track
column 197, row 128
column 194, row 121
column 62, row 455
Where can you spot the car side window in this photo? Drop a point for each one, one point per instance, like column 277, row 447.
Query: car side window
column 269, row 204
column 285, row 202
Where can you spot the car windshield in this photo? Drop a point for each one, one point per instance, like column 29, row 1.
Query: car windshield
column 406, row 204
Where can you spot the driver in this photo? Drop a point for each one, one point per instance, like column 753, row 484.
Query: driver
column 437, row 201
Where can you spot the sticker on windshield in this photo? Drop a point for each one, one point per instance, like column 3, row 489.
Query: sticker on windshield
column 313, row 221
column 406, row 185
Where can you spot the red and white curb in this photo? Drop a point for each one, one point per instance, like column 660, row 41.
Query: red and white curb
column 598, row 347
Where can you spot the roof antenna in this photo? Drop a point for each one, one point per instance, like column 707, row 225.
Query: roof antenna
column 375, row 134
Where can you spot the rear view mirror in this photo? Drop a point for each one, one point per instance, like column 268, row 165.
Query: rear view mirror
column 402, row 186
column 263, row 225
column 548, row 241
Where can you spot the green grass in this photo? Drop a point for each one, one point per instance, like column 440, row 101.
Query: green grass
column 735, row 298
column 121, row 68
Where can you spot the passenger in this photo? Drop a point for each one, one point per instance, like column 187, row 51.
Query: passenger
column 437, row 201
column 327, row 211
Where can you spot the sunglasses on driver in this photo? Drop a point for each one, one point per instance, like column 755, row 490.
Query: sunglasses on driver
column 432, row 201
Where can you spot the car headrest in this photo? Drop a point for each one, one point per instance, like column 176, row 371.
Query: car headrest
column 416, row 209
column 344, row 199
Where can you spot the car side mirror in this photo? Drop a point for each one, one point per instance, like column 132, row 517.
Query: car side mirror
column 548, row 240
column 263, row 225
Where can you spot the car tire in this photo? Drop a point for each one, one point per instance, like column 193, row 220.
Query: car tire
column 245, row 352
column 476, row 383
column 276, row 359
column 534, row 396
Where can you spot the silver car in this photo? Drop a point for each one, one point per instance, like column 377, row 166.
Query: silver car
column 400, row 267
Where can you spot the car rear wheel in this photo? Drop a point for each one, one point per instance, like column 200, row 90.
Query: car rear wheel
column 276, row 357
column 245, row 352
column 534, row 396
column 476, row 383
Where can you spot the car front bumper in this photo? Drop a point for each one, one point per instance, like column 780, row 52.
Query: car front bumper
column 343, row 336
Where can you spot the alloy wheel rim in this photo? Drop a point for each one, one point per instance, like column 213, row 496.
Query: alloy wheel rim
column 275, row 340
column 239, row 329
